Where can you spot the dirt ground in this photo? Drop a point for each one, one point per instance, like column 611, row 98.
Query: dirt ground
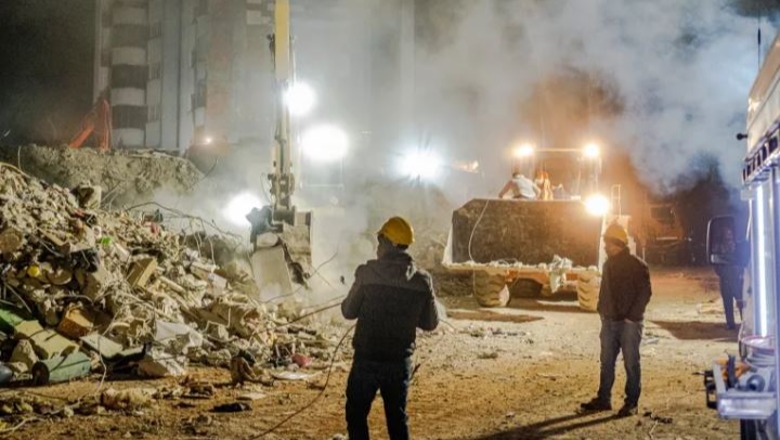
column 514, row 373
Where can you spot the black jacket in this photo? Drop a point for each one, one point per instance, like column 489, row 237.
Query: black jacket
column 390, row 298
column 625, row 288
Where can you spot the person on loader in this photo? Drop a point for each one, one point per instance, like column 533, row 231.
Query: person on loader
column 623, row 296
column 390, row 299
column 520, row 187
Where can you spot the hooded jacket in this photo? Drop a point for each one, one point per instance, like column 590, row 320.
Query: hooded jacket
column 390, row 298
column 625, row 288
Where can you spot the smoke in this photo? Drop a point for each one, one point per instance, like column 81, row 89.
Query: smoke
column 676, row 75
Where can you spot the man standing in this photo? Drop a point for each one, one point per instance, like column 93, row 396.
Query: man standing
column 623, row 296
column 730, row 277
column 520, row 187
column 390, row 298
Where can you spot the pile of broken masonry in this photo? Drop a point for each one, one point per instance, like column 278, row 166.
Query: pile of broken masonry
column 85, row 290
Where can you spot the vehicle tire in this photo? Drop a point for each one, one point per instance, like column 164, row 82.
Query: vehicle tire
column 525, row 288
column 748, row 430
column 490, row 290
column 588, row 286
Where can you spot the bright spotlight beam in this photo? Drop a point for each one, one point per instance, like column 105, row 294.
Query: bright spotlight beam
column 325, row 143
column 239, row 206
column 300, row 99
column 424, row 165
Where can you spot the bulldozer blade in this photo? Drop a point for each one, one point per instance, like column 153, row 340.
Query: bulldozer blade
column 529, row 232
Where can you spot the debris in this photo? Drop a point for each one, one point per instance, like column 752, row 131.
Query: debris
column 10, row 318
column 76, row 322
column 251, row 396
column 141, row 272
column 301, row 360
column 107, row 348
column 24, row 354
column 61, row 368
column 292, row 375
column 127, row 400
column 6, row 374
column 11, row 240
column 232, row 407
column 158, row 364
column 47, row 343
column 488, row 355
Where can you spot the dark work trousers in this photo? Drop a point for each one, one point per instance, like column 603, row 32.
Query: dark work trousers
column 392, row 380
column 616, row 337
column 730, row 291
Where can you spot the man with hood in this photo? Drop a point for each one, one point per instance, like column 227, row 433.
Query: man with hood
column 390, row 299
column 623, row 297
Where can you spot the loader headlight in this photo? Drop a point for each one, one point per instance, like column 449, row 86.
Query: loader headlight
column 325, row 143
column 523, row 151
column 597, row 205
column 591, row 151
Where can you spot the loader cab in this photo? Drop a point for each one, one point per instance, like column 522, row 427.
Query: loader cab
column 573, row 173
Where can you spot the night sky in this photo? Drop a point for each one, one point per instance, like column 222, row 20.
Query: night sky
column 46, row 58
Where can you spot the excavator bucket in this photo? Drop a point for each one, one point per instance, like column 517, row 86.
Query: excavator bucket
column 524, row 231
column 282, row 259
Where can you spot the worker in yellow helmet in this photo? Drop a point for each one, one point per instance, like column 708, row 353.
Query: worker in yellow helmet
column 623, row 296
column 390, row 299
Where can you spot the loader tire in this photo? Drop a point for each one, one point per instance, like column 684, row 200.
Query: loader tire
column 588, row 287
column 525, row 288
column 490, row 290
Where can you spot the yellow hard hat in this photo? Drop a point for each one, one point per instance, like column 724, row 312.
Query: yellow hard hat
column 398, row 231
column 616, row 232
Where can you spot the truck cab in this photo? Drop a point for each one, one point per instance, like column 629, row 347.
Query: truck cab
column 745, row 387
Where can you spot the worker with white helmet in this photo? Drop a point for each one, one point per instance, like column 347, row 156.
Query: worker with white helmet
column 623, row 296
column 390, row 299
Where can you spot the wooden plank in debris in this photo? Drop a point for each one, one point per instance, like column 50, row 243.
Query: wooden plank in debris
column 141, row 271
column 530, row 232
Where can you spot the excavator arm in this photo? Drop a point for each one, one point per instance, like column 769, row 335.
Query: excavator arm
column 97, row 121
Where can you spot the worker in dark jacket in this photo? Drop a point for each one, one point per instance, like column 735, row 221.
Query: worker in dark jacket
column 730, row 276
column 390, row 298
column 623, row 296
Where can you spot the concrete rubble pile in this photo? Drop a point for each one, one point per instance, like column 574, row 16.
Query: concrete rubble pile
column 124, row 176
column 84, row 289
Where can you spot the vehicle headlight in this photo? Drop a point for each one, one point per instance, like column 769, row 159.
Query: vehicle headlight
column 597, row 205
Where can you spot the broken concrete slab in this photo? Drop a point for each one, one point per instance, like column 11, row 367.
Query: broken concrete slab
column 24, row 354
column 107, row 348
column 47, row 343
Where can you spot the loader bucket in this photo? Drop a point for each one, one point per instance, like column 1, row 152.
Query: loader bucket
column 525, row 231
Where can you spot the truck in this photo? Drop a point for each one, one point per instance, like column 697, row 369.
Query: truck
column 744, row 387
column 542, row 246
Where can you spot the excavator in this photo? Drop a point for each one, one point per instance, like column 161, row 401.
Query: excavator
column 280, row 234
column 97, row 122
